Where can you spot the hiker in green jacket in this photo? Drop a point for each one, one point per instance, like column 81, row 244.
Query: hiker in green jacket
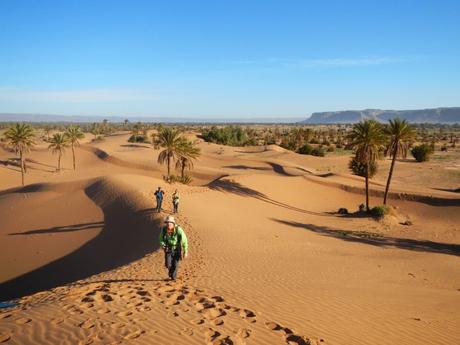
column 175, row 245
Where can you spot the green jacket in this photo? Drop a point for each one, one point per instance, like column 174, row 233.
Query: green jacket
column 173, row 241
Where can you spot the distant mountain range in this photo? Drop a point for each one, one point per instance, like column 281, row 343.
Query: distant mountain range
column 6, row 117
column 437, row 115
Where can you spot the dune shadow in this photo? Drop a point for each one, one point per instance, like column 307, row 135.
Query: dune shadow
column 377, row 240
column 452, row 190
column 136, row 146
column 234, row 187
column 60, row 229
column 245, row 167
column 279, row 169
column 127, row 235
column 108, row 281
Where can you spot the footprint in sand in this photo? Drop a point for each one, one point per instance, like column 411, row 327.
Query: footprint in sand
column 218, row 298
column 244, row 333
column 248, row 315
column 187, row 331
column 5, row 315
column 143, row 293
column 88, row 324
column 217, row 322
column 289, row 335
column 23, row 320
column 213, row 313
column 125, row 313
column 273, row 326
column 134, row 335
column 58, row 321
column 212, row 334
column 103, row 311
column 198, row 322
column 4, row 337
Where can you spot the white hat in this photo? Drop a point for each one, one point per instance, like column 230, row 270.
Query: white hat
column 170, row 219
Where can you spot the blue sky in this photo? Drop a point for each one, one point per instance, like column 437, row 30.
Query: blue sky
column 227, row 58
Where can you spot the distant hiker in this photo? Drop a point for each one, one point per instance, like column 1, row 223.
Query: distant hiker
column 159, row 194
column 175, row 201
column 175, row 245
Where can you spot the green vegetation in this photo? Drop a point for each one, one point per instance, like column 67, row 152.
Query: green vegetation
column 57, row 144
column 400, row 133
column 74, row 135
column 360, row 169
column 422, row 152
column 20, row 137
column 176, row 148
column 367, row 138
column 228, row 135
column 380, row 211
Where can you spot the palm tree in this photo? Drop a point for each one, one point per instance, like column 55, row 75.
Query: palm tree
column 58, row 143
column 400, row 132
column 170, row 140
column 367, row 138
column 95, row 130
column 74, row 134
column 20, row 136
column 187, row 152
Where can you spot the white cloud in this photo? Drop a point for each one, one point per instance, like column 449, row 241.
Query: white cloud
column 77, row 96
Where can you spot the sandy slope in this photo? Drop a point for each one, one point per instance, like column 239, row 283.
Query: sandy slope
column 271, row 262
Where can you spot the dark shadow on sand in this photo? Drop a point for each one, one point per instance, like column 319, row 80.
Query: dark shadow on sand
column 246, row 167
column 377, row 240
column 60, row 229
column 279, row 169
column 127, row 235
column 234, row 187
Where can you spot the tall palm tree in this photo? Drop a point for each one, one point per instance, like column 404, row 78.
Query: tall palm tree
column 367, row 138
column 74, row 134
column 21, row 138
column 400, row 132
column 58, row 143
column 187, row 152
column 170, row 140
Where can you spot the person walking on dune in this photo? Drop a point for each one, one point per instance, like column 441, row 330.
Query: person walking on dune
column 159, row 194
column 175, row 201
column 175, row 245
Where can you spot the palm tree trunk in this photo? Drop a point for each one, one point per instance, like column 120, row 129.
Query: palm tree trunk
column 73, row 154
column 390, row 174
column 168, row 160
column 367, row 187
column 59, row 161
column 182, row 169
column 22, row 167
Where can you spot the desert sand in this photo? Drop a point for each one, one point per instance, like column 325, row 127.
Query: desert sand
column 271, row 261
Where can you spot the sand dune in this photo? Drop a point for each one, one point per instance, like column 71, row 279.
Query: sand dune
column 270, row 262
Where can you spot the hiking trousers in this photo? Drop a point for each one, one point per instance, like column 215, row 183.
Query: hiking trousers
column 159, row 202
column 172, row 258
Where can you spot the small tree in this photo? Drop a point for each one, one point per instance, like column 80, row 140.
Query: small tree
column 21, row 138
column 58, row 143
column 95, row 130
column 422, row 152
